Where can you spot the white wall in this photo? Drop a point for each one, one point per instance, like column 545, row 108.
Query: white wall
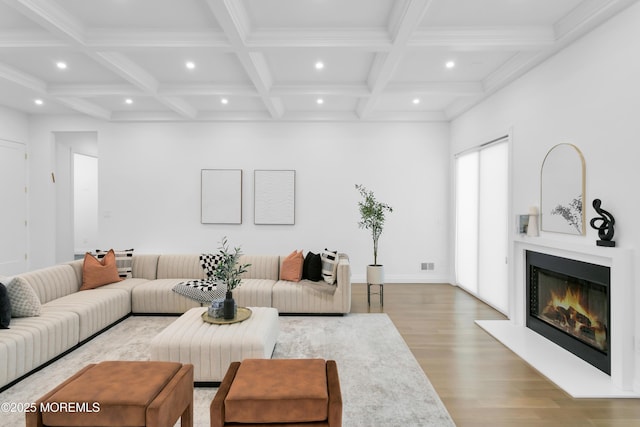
column 150, row 188
column 588, row 95
column 13, row 125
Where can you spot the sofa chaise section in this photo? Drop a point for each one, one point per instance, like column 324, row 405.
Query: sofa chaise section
column 310, row 297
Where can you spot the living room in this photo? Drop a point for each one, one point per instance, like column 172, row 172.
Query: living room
column 149, row 171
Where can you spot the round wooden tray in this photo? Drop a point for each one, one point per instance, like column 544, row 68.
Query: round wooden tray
column 243, row 313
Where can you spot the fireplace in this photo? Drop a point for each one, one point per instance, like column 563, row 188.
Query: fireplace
column 568, row 302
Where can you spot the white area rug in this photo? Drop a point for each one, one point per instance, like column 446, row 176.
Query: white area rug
column 382, row 383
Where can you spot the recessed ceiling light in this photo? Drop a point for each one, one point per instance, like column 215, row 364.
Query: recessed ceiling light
column 416, row 101
column 38, row 101
column 450, row 64
column 319, row 65
column 190, row 65
column 224, row 101
column 61, row 65
column 320, row 101
column 128, row 101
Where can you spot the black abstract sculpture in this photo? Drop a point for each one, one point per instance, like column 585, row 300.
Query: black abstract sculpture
column 605, row 228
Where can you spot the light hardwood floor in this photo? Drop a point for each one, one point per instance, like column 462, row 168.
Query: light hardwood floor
column 480, row 381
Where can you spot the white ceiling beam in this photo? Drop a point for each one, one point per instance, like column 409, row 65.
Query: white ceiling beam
column 363, row 39
column 22, row 79
column 435, row 88
column 201, row 89
column 128, row 70
column 93, row 90
column 320, row 89
column 103, row 39
column 234, row 20
column 407, row 19
column 587, row 15
column 85, row 107
column 478, row 39
column 29, row 39
column 179, row 105
column 51, row 16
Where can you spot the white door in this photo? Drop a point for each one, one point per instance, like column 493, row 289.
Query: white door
column 13, row 213
column 482, row 222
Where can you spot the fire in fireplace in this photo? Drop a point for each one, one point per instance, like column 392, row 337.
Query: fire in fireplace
column 569, row 304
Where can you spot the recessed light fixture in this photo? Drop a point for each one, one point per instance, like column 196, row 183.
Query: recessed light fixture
column 319, row 101
column 61, row 65
column 416, row 101
column 224, row 101
column 190, row 65
column 450, row 64
column 38, row 101
column 319, row 65
column 128, row 101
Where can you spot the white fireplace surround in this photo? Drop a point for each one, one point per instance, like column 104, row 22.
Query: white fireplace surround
column 567, row 371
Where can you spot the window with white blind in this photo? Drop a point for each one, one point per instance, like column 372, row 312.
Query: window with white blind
column 482, row 222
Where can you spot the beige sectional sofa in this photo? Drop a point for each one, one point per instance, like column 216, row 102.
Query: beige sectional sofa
column 69, row 317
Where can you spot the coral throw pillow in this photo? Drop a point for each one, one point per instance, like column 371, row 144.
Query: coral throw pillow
column 291, row 269
column 96, row 273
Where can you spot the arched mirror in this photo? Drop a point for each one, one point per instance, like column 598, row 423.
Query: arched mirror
column 562, row 190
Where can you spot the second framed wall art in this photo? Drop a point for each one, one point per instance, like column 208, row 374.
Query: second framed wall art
column 274, row 196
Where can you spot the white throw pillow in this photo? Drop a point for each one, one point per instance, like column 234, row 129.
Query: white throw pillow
column 24, row 301
column 329, row 266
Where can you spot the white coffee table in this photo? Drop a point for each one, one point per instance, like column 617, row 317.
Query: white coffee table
column 211, row 348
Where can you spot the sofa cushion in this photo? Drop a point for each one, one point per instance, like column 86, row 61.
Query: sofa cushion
column 124, row 261
column 254, row 293
column 23, row 299
column 32, row 341
column 180, row 266
column 53, row 282
column 96, row 309
column 262, row 266
column 5, row 308
column 157, row 296
column 96, row 273
column 312, row 268
column 329, row 265
column 278, row 391
column 291, row 268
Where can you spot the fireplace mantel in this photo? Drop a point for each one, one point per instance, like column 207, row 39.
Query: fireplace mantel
column 569, row 372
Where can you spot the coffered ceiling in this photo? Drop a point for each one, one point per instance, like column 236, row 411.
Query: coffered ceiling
column 351, row 60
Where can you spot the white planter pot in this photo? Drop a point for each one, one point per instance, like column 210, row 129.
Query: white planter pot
column 375, row 274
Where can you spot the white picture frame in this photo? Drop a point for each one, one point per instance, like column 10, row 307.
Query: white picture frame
column 221, row 196
column 274, row 197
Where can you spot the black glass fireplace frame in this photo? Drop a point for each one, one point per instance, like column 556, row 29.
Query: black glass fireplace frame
column 598, row 274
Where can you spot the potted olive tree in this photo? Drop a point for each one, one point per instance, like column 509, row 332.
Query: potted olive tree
column 372, row 217
column 228, row 271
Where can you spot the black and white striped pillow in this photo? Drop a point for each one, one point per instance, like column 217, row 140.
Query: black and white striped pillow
column 124, row 261
column 329, row 266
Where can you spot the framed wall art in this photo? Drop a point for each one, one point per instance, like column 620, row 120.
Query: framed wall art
column 274, row 196
column 221, row 196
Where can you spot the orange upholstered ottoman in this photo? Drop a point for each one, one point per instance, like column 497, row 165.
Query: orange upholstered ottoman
column 120, row 393
column 279, row 391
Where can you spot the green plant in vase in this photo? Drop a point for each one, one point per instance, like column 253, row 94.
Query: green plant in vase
column 228, row 271
column 372, row 217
